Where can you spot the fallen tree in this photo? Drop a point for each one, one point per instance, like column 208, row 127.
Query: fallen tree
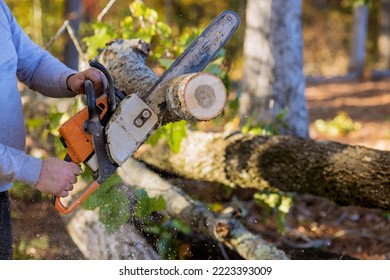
column 190, row 97
column 345, row 174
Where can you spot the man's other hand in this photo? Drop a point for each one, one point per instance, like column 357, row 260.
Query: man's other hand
column 57, row 177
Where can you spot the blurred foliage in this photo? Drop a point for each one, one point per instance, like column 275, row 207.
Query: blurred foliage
column 276, row 206
column 340, row 125
column 270, row 128
column 163, row 229
column 26, row 192
column 174, row 133
column 34, row 249
column 327, row 32
column 112, row 203
column 324, row 54
column 141, row 23
column 357, row 3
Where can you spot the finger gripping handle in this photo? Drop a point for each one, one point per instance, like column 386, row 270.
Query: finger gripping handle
column 66, row 210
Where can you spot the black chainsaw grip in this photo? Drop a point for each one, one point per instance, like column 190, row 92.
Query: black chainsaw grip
column 91, row 100
column 111, row 93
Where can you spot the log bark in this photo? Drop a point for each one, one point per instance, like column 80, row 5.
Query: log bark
column 226, row 230
column 347, row 175
column 93, row 240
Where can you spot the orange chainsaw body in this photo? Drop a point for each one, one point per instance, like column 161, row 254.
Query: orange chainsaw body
column 75, row 139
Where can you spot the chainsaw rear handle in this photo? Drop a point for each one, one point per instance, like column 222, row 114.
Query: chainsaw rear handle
column 66, row 210
column 56, row 200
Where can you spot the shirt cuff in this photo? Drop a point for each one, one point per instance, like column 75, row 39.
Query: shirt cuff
column 30, row 170
column 63, row 83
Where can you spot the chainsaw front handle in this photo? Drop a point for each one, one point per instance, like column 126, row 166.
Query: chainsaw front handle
column 66, row 210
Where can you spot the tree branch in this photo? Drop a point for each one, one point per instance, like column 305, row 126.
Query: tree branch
column 226, row 230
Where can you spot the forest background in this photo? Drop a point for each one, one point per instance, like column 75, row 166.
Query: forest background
column 327, row 30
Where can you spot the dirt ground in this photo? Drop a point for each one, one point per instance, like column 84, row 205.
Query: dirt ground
column 313, row 223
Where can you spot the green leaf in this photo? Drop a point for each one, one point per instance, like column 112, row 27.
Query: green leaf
column 278, row 203
column 173, row 132
column 112, row 203
column 163, row 29
column 127, row 28
column 146, row 205
column 166, row 62
column 146, row 33
column 156, row 136
column 115, row 212
column 176, row 133
column 34, row 123
column 181, row 226
column 102, row 195
column 103, row 34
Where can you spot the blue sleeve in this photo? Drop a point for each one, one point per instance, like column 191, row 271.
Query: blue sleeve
column 15, row 165
column 36, row 67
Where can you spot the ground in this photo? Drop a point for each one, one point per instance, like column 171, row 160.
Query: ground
column 313, row 223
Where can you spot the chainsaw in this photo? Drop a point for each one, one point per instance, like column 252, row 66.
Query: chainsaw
column 111, row 128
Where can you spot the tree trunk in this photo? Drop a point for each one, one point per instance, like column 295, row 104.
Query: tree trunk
column 357, row 58
column 72, row 13
column 384, row 35
column 347, row 175
column 273, row 79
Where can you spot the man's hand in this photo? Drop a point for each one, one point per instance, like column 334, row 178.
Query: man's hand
column 76, row 82
column 57, row 177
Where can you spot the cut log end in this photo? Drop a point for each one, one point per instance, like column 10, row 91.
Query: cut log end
column 198, row 97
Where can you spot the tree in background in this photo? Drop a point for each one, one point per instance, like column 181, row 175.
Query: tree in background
column 273, row 79
column 357, row 59
column 384, row 36
column 72, row 13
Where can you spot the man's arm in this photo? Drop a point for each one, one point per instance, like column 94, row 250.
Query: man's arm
column 43, row 72
column 16, row 165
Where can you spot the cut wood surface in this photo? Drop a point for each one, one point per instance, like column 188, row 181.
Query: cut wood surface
column 196, row 97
